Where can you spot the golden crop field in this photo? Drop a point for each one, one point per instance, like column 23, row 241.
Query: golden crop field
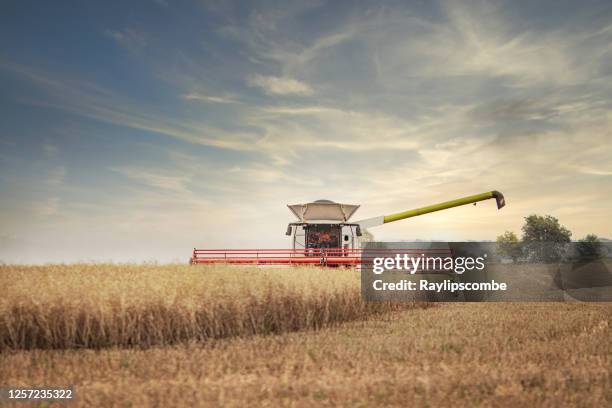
column 93, row 306
column 151, row 335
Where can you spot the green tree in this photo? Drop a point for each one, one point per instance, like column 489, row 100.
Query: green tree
column 545, row 238
column 589, row 247
column 508, row 245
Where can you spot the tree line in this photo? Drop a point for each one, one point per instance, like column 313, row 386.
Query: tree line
column 544, row 239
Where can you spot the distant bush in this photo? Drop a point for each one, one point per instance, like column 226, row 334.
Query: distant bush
column 508, row 245
column 589, row 247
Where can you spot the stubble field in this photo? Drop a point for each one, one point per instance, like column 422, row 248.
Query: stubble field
column 180, row 336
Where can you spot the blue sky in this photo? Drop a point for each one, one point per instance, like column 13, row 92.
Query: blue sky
column 137, row 130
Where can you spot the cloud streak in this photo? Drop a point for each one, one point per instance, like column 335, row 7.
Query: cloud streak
column 280, row 85
column 155, row 178
column 209, row 98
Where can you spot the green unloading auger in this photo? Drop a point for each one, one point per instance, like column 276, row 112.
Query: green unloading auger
column 383, row 219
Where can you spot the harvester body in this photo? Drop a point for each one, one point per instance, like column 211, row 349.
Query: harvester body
column 324, row 235
column 324, row 223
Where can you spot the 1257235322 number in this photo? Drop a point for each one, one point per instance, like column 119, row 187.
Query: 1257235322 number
column 38, row 393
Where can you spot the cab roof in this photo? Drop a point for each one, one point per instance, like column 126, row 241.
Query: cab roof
column 323, row 210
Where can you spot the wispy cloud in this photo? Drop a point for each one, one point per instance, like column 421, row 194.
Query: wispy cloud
column 209, row 98
column 56, row 176
column 51, row 150
column 155, row 178
column 90, row 100
column 280, row 85
column 594, row 171
column 477, row 40
column 46, row 208
column 129, row 38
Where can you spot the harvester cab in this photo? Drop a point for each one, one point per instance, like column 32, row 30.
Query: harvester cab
column 325, row 224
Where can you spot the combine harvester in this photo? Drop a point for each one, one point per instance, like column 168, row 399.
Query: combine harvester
column 324, row 236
